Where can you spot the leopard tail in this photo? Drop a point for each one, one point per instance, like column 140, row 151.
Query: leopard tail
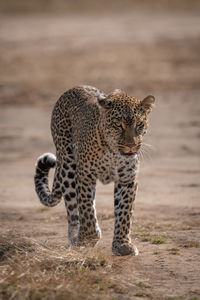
column 44, row 163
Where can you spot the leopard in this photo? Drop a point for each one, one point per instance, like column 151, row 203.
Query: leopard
column 98, row 137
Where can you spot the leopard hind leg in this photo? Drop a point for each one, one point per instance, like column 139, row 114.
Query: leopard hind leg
column 68, row 174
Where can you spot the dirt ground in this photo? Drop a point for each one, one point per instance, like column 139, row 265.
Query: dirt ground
column 142, row 53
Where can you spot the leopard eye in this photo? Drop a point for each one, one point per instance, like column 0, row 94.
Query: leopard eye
column 117, row 123
column 139, row 127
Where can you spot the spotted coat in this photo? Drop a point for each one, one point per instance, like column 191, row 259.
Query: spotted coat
column 97, row 137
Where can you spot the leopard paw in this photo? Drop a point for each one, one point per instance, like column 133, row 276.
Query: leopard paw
column 86, row 241
column 125, row 249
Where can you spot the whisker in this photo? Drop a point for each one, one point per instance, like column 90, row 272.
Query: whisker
column 145, row 151
column 147, row 145
column 141, row 153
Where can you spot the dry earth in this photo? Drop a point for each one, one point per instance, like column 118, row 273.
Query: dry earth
column 155, row 53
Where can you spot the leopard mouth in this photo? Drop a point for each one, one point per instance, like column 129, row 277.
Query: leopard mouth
column 130, row 153
column 128, row 150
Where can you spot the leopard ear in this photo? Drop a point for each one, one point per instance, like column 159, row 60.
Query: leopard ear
column 148, row 102
column 105, row 103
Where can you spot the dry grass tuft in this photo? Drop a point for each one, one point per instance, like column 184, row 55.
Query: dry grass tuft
column 8, row 247
column 190, row 244
column 152, row 238
column 35, row 271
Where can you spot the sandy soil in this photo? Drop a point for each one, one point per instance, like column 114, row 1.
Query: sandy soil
column 40, row 57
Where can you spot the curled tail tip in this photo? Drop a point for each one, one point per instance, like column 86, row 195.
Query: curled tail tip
column 46, row 161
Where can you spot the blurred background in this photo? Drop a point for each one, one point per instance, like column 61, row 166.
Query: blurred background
column 139, row 46
column 142, row 47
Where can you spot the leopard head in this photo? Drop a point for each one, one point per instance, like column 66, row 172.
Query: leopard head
column 125, row 121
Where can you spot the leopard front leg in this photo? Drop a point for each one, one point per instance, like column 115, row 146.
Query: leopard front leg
column 124, row 196
column 89, row 231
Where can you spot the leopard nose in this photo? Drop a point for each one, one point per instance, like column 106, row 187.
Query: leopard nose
column 130, row 145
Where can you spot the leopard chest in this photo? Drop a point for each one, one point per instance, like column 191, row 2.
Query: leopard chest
column 113, row 167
